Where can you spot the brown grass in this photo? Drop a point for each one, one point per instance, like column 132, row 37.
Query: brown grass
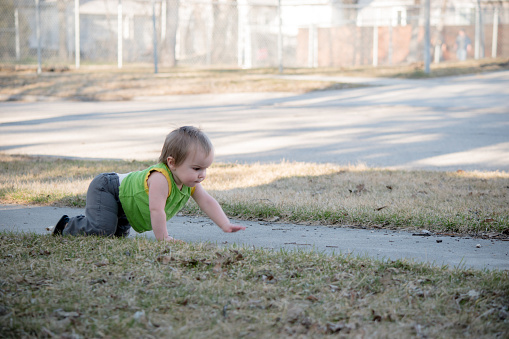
column 127, row 85
column 472, row 203
column 132, row 288
column 108, row 83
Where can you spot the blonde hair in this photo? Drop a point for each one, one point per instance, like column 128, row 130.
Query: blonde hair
column 180, row 142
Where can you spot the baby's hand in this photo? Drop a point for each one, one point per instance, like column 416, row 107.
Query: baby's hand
column 232, row 228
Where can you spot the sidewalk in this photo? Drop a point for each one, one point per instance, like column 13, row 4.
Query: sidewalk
column 463, row 252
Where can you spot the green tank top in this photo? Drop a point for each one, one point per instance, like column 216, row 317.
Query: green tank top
column 133, row 194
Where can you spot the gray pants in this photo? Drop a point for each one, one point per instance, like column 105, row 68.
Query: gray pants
column 103, row 212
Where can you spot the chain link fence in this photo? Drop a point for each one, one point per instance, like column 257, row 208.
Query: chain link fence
column 246, row 34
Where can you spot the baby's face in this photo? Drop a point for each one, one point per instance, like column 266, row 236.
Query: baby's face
column 194, row 169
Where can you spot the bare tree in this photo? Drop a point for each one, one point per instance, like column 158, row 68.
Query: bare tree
column 168, row 57
column 415, row 52
column 62, row 33
column 224, row 31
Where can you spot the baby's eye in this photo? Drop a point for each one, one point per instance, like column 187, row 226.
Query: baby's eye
column 196, row 168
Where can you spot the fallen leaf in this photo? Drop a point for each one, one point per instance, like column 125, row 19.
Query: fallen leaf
column 217, row 268
column 312, row 298
column 98, row 281
column 40, row 252
column 103, row 262
column 183, row 302
column 376, row 317
column 335, row 328
column 164, row 259
column 294, row 313
column 238, row 255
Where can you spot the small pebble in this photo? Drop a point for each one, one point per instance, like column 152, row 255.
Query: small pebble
column 478, row 245
column 439, row 241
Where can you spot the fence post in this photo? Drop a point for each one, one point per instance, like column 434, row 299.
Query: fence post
column 16, row 32
column 163, row 21
column 280, row 38
column 375, row 38
column 479, row 36
column 240, row 38
column 312, row 47
column 119, row 35
column 77, row 48
column 154, row 37
column 391, row 48
column 494, row 43
column 426, row 36
column 38, row 34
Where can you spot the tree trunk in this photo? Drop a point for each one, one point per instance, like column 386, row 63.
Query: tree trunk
column 168, row 46
column 62, row 32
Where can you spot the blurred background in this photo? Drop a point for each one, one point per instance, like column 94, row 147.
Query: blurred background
column 249, row 33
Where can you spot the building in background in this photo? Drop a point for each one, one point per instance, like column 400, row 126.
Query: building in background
column 249, row 33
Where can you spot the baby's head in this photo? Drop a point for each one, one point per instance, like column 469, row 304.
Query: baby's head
column 182, row 141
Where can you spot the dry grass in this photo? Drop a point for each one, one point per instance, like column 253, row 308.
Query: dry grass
column 96, row 85
column 46, row 180
column 131, row 288
column 464, row 202
column 412, row 71
column 100, row 83
column 472, row 203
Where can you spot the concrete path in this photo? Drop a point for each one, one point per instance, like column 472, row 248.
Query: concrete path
column 441, row 124
column 437, row 250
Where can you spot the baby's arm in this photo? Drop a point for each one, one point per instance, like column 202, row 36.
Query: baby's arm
column 211, row 207
column 157, row 194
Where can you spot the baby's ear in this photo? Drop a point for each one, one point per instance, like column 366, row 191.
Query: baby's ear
column 170, row 162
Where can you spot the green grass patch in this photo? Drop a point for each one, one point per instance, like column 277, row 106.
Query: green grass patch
column 120, row 288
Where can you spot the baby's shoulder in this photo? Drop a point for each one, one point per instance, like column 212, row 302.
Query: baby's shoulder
column 156, row 175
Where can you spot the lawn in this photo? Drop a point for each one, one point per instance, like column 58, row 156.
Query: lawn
column 132, row 288
column 100, row 84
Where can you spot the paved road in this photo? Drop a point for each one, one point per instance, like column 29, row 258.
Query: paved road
column 441, row 124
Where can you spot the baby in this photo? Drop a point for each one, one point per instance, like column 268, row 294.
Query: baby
column 146, row 199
